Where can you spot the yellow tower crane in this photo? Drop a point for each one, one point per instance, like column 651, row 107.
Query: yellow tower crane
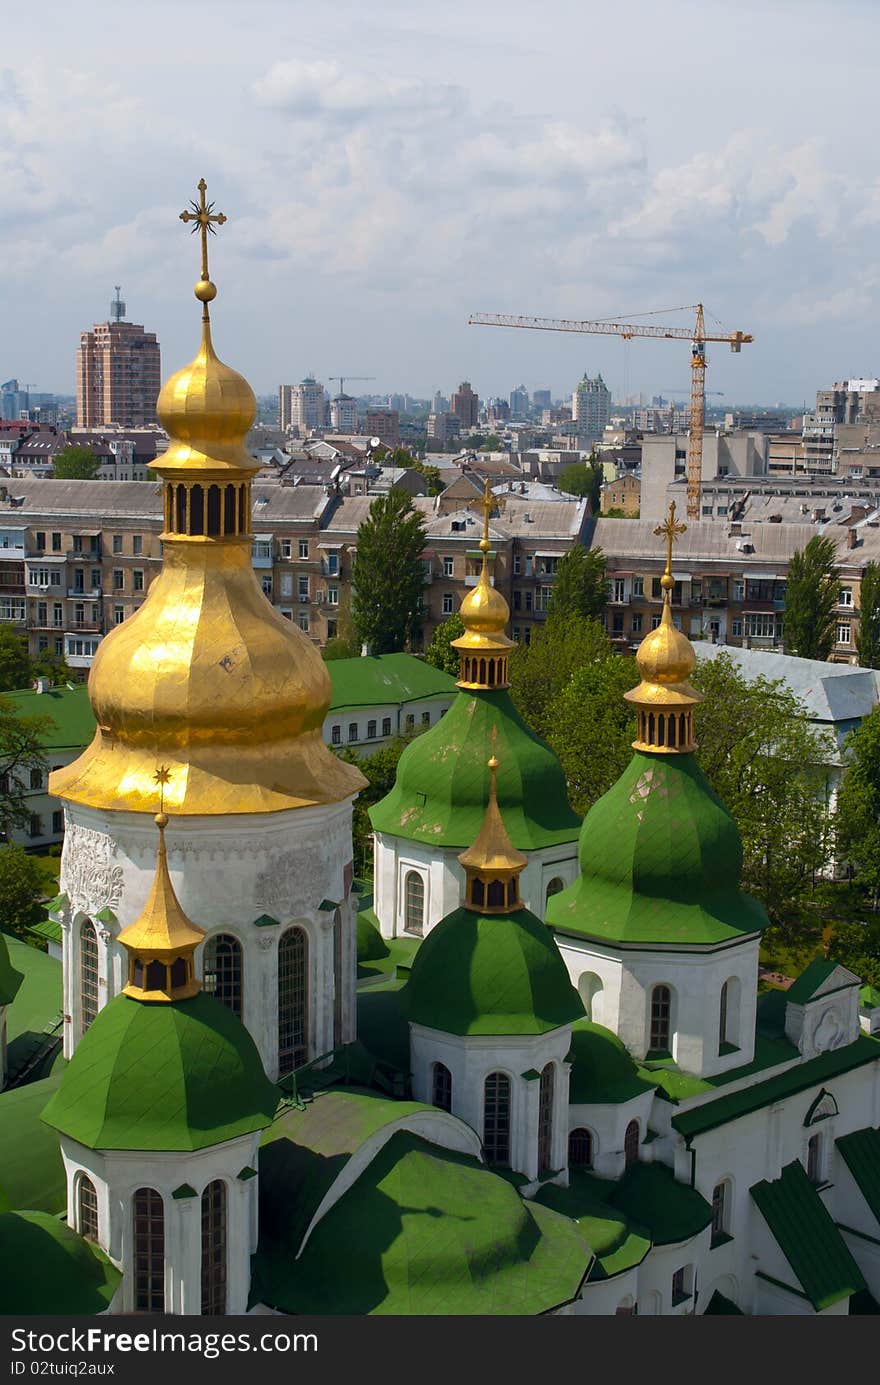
column 697, row 337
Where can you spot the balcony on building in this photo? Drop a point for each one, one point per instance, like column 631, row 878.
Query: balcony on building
column 86, row 546
column 473, row 566
column 261, row 551
column 80, row 649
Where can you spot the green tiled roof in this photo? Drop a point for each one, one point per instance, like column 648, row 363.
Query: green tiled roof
column 490, row 975
column 71, row 721
column 617, row 1244
column 371, row 946
column 31, row 1168
column 425, row 1230
column 811, row 978
column 660, row 860
column 49, row 929
column 10, row 979
column 652, row 1196
column 797, row 1078
column 36, row 1009
column 805, row 1232
column 602, row 1069
column 163, row 1076
column 381, row 1024
column 442, row 785
column 384, row 679
column 45, row 1267
column 861, row 1152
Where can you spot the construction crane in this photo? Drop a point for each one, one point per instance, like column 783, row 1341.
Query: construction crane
column 342, row 379
column 627, row 330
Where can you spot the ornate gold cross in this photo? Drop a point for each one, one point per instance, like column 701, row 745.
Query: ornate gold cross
column 670, row 530
column 205, row 219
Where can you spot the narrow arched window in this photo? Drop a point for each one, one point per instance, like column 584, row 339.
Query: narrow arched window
column 814, row 1159
column 722, row 1017
column 214, row 1249
column 293, row 1000
column 86, row 1208
column 213, row 512
column 88, row 974
column 197, row 510
column 414, row 902
column 555, row 886
column 728, row 1015
column 661, row 1006
column 180, row 505
column 545, row 1119
column 149, row 1251
column 631, row 1144
column 442, row 1087
column 229, row 509
column 496, row 1118
column 720, row 1212
column 223, row 970
column 580, row 1149
column 495, row 894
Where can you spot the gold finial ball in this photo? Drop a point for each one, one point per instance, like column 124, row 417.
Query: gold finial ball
column 485, row 545
column 205, row 291
column 667, row 582
column 161, row 820
column 493, row 762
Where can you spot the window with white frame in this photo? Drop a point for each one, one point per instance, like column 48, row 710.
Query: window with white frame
column 303, row 548
column 736, row 628
column 845, row 596
column 448, row 603
column 332, row 596
column 844, row 632
column 414, row 903
column 335, row 735
column 619, row 589
column 448, row 567
column 638, row 587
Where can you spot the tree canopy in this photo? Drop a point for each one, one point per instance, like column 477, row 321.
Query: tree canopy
column 388, row 576
column 542, row 670
column 811, row 597
column 15, row 663
column 440, row 652
column 584, row 479
column 868, row 641
column 75, row 463
column 859, row 803
column 21, row 888
column 21, row 752
column 581, row 586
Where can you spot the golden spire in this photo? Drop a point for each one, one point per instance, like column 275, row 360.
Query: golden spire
column 484, row 647
column 492, row 864
column 665, row 699
column 161, row 941
column 206, row 221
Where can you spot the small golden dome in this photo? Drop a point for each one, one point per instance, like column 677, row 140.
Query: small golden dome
column 161, row 941
column 665, row 655
column 492, row 863
column 484, row 646
column 484, row 610
column 207, row 409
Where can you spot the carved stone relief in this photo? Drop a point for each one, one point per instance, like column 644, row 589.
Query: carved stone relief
column 90, row 875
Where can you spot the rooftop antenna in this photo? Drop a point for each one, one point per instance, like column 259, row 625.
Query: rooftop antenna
column 117, row 307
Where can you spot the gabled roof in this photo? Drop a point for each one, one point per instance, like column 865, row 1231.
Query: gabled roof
column 822, row 977
column 861, row 1153
column 805, row 1232
column 383, row 679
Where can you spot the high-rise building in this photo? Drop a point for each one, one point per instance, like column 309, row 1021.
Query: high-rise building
column 541, row 399
column 118, row 373
column 14, row 401
column 591, row 407
column 465, row 404
column 519, row 402
column 384, row 424
column 301, row 406
column 439, row 404
column 344, row 414
column 442, row 429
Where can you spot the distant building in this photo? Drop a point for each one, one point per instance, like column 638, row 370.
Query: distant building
column 465, row 404
column 384, row 424
column 344, row 413
column 591, row 407
column 443, row 429
column 439, row 404
column 519, row 402
column 301, row 406
column 624, row 494
column 541, row 399
column 14, row 402
column 118, row 374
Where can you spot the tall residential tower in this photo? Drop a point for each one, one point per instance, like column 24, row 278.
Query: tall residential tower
column 118, row 373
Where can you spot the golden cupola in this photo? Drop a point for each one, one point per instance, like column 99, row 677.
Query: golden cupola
column 492, row 865
column 484, row 648
column 664, row 700
column 207, row 677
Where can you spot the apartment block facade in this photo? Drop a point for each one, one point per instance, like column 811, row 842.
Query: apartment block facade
column 118, row 376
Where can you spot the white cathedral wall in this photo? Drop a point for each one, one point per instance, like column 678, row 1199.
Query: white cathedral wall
column 443, row 879
column 227, row 872
column 118, row 1174
column 615, row 986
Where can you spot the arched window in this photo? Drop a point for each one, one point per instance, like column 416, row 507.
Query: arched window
column 815, row 1162
column 720, row 1211
column 580, row 1149
column 631, row 1142
column 293, row 1000
column 442, row 1088
column 414, row 903
column 661, row 1006
column 149, row 1251
column 213, row 512
column 495, row 894
column 229, row 509
column 88, row 974
column 626, row 1308
column 728, row 1015
column 223, row 970
column 496, row 1118
column 555, row 886
column 180, row 497
column 86, row 1208
column 545, row 1119
column 214, row 1248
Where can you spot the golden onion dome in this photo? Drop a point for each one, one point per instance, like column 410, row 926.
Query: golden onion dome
column 206, row 677
column 484, row 646
column 484, row 610
column 665, row 655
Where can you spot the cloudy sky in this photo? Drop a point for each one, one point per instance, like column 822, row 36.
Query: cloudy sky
column 388, row 168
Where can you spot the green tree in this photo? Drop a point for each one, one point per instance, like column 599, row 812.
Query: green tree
column 15, row 664
column 21, row 752
column 21, row 888
column 388, row 575
column 430, row 473
column 380, row 770
column 581, row 586
column 868, row 641
column 345, row 643
column 858, row 804
column 540, row 671
column 46, row 665
column 584, row 479
column 591, row 727
column 75, row 464
column 811, row 596
column 440, row 652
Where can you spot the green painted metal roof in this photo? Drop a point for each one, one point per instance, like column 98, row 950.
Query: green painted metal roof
column 719, row 1306
column 47, row 1267
column 805, row 1232
column 660, row 861
column 71, row 721
column 424, row 1230
column 163, row 1076
column 31, row 1168
column 797, row 1078
column 10, row 979
column 810, row 979
column 47, row 929
column 35, row 1015
column 384, row 679
column 652, row 1196
column 371, row 946
column 617, row 1243
column 381, row 1024
column 861, row 1152
column 502, row 974
column 602, row 1068
column 442, row 785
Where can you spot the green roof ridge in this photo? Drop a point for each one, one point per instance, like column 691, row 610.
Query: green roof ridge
column 861, row 1153
column 10, row 979
column 811, row 978
column 807, row 1236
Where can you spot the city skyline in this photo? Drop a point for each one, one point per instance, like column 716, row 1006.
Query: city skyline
column 381, row 185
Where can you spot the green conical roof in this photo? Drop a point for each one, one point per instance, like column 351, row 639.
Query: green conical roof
column 442, row 782
column 490, row 975
column 162, row 1076
column 660, row 860
column 10, row 979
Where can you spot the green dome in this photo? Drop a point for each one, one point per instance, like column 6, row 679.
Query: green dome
column 10, row 979
column 490, row 975
column 45, row 1267
column 660, row 860
column 442, row 782
column 161, row 1076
